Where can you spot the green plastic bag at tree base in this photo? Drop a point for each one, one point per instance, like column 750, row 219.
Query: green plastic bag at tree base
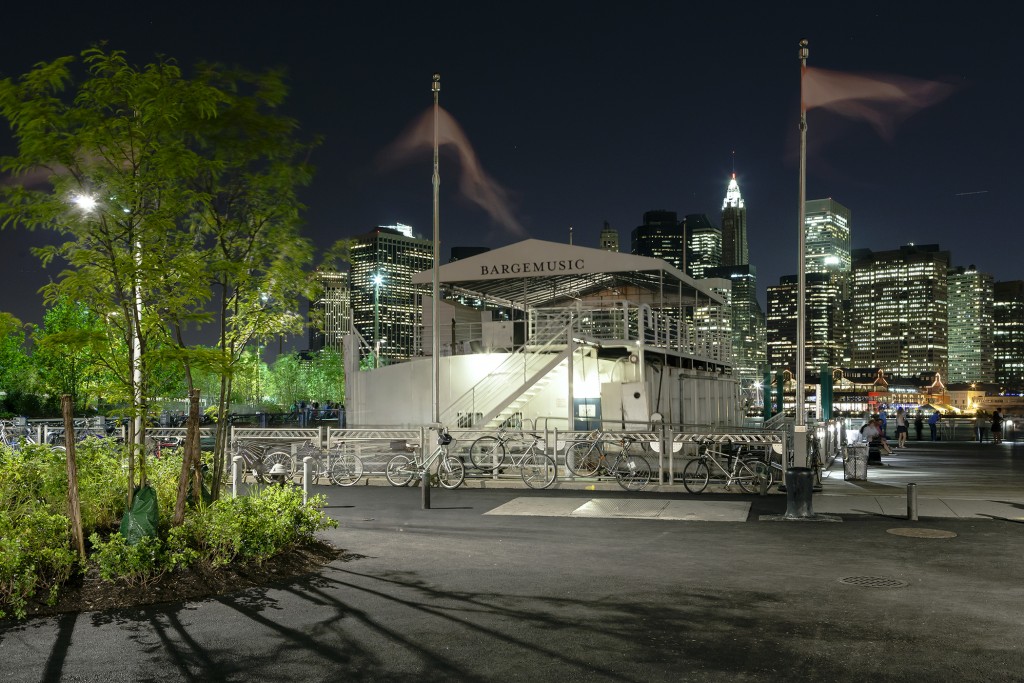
column 141, row 521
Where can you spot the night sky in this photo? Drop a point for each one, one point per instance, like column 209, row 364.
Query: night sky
column 586, row 112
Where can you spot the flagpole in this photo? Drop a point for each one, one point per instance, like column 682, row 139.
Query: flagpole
column 800, row 424
column 435, row 350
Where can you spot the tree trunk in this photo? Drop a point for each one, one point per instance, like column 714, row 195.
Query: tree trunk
column 74, row 511
column 191, row 441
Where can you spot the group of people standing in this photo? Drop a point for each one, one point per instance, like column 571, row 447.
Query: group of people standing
column 876, row 428
column 879, row 424
column 306, row 413
column 982, row 421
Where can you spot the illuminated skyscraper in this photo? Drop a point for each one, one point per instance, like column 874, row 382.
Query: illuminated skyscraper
column 970, row 327
column 609, row 238
column 703, row 245
column 900, row 310
column 661, row 236
column 823, row 317
column 331, row 312
column 748, row 323
column 827, row 238
column 393, row 303
column 1008, row 334
column 734, row 227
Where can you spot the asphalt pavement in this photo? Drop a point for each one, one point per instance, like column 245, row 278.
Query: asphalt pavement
column 605, row 585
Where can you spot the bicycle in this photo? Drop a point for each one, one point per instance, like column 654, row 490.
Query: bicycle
column 14, row 435
column 401, row 469
column 340, row 468
column 585, row 458
column 259, row 458
column 489, row 453
column 749, row 473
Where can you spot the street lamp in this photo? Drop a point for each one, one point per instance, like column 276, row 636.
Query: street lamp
column 376, row 279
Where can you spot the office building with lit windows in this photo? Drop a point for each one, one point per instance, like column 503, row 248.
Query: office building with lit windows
column 661, row 236
column 747, row 320
column 609, row 240
column 734, row 226
column 1008, row 334
column 970, row 327
column 827, row 238
column 386, row 311
column 703, row 245
column 900, row 309
column 329, row 314
column 821, row 292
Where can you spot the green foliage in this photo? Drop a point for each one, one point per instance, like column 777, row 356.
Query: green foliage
column 135, row 565
column 252, row 528
column 35, row 536
column 63, row 355
column 35, row 557
column 15, row 365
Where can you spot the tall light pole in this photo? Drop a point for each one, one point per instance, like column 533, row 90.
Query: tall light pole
column 377, row 279
column 800, row 424
column 436, row 292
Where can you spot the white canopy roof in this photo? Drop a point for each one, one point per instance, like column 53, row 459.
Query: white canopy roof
column 563, row 268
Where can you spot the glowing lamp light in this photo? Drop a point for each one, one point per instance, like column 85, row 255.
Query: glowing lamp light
column 378, row 279
column 84, row 202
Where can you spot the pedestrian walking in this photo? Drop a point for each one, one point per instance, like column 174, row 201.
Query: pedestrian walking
column 997, row 426
column 933, row 424
column 901, row 428
column 918, row 425
column 883, row 422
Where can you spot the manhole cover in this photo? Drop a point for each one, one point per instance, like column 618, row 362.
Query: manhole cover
column 873, row 582
column 921, row 533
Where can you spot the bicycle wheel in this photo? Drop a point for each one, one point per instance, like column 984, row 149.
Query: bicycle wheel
column 451, row 472
column 538, row 470
column 633, row 472
column 695, row 476
column 346, row 469
column 280, row 458
column 582, row 458
column 751, row 473
column 487, row 453
column 400, row 470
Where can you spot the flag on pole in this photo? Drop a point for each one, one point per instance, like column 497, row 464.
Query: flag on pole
column 881, row 100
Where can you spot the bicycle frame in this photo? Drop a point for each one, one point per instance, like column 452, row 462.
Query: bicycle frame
column 402, row 469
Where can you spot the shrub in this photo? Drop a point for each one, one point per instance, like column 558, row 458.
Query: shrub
column 135, row 565
column 35, row 556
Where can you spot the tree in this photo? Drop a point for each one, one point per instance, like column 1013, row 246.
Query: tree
column 63, row 357
column 163, row 187
column 15, row 365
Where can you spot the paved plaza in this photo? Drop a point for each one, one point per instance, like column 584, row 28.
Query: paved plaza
column 496, row 584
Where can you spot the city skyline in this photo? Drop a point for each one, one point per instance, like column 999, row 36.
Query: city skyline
column 584, row 115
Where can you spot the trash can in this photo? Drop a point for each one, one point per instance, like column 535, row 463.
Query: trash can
column 855, row 462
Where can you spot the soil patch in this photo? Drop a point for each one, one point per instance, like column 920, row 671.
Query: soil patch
column 87, row 593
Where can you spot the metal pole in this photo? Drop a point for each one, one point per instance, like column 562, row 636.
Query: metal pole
column 435, row 328
column 912, row 502
column 800, row 428
column 376, row 320
column 305, row 478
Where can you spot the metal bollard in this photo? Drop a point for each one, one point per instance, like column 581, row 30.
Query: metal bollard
column 425, row 488
column 236, row 470
column 305, row 477
column 912, row 502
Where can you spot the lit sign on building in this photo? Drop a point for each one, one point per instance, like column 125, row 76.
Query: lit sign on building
column 533, row 267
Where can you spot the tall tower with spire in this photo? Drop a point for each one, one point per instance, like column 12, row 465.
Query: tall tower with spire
column 734, row 227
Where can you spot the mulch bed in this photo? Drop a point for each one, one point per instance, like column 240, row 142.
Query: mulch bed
column 87, row 593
